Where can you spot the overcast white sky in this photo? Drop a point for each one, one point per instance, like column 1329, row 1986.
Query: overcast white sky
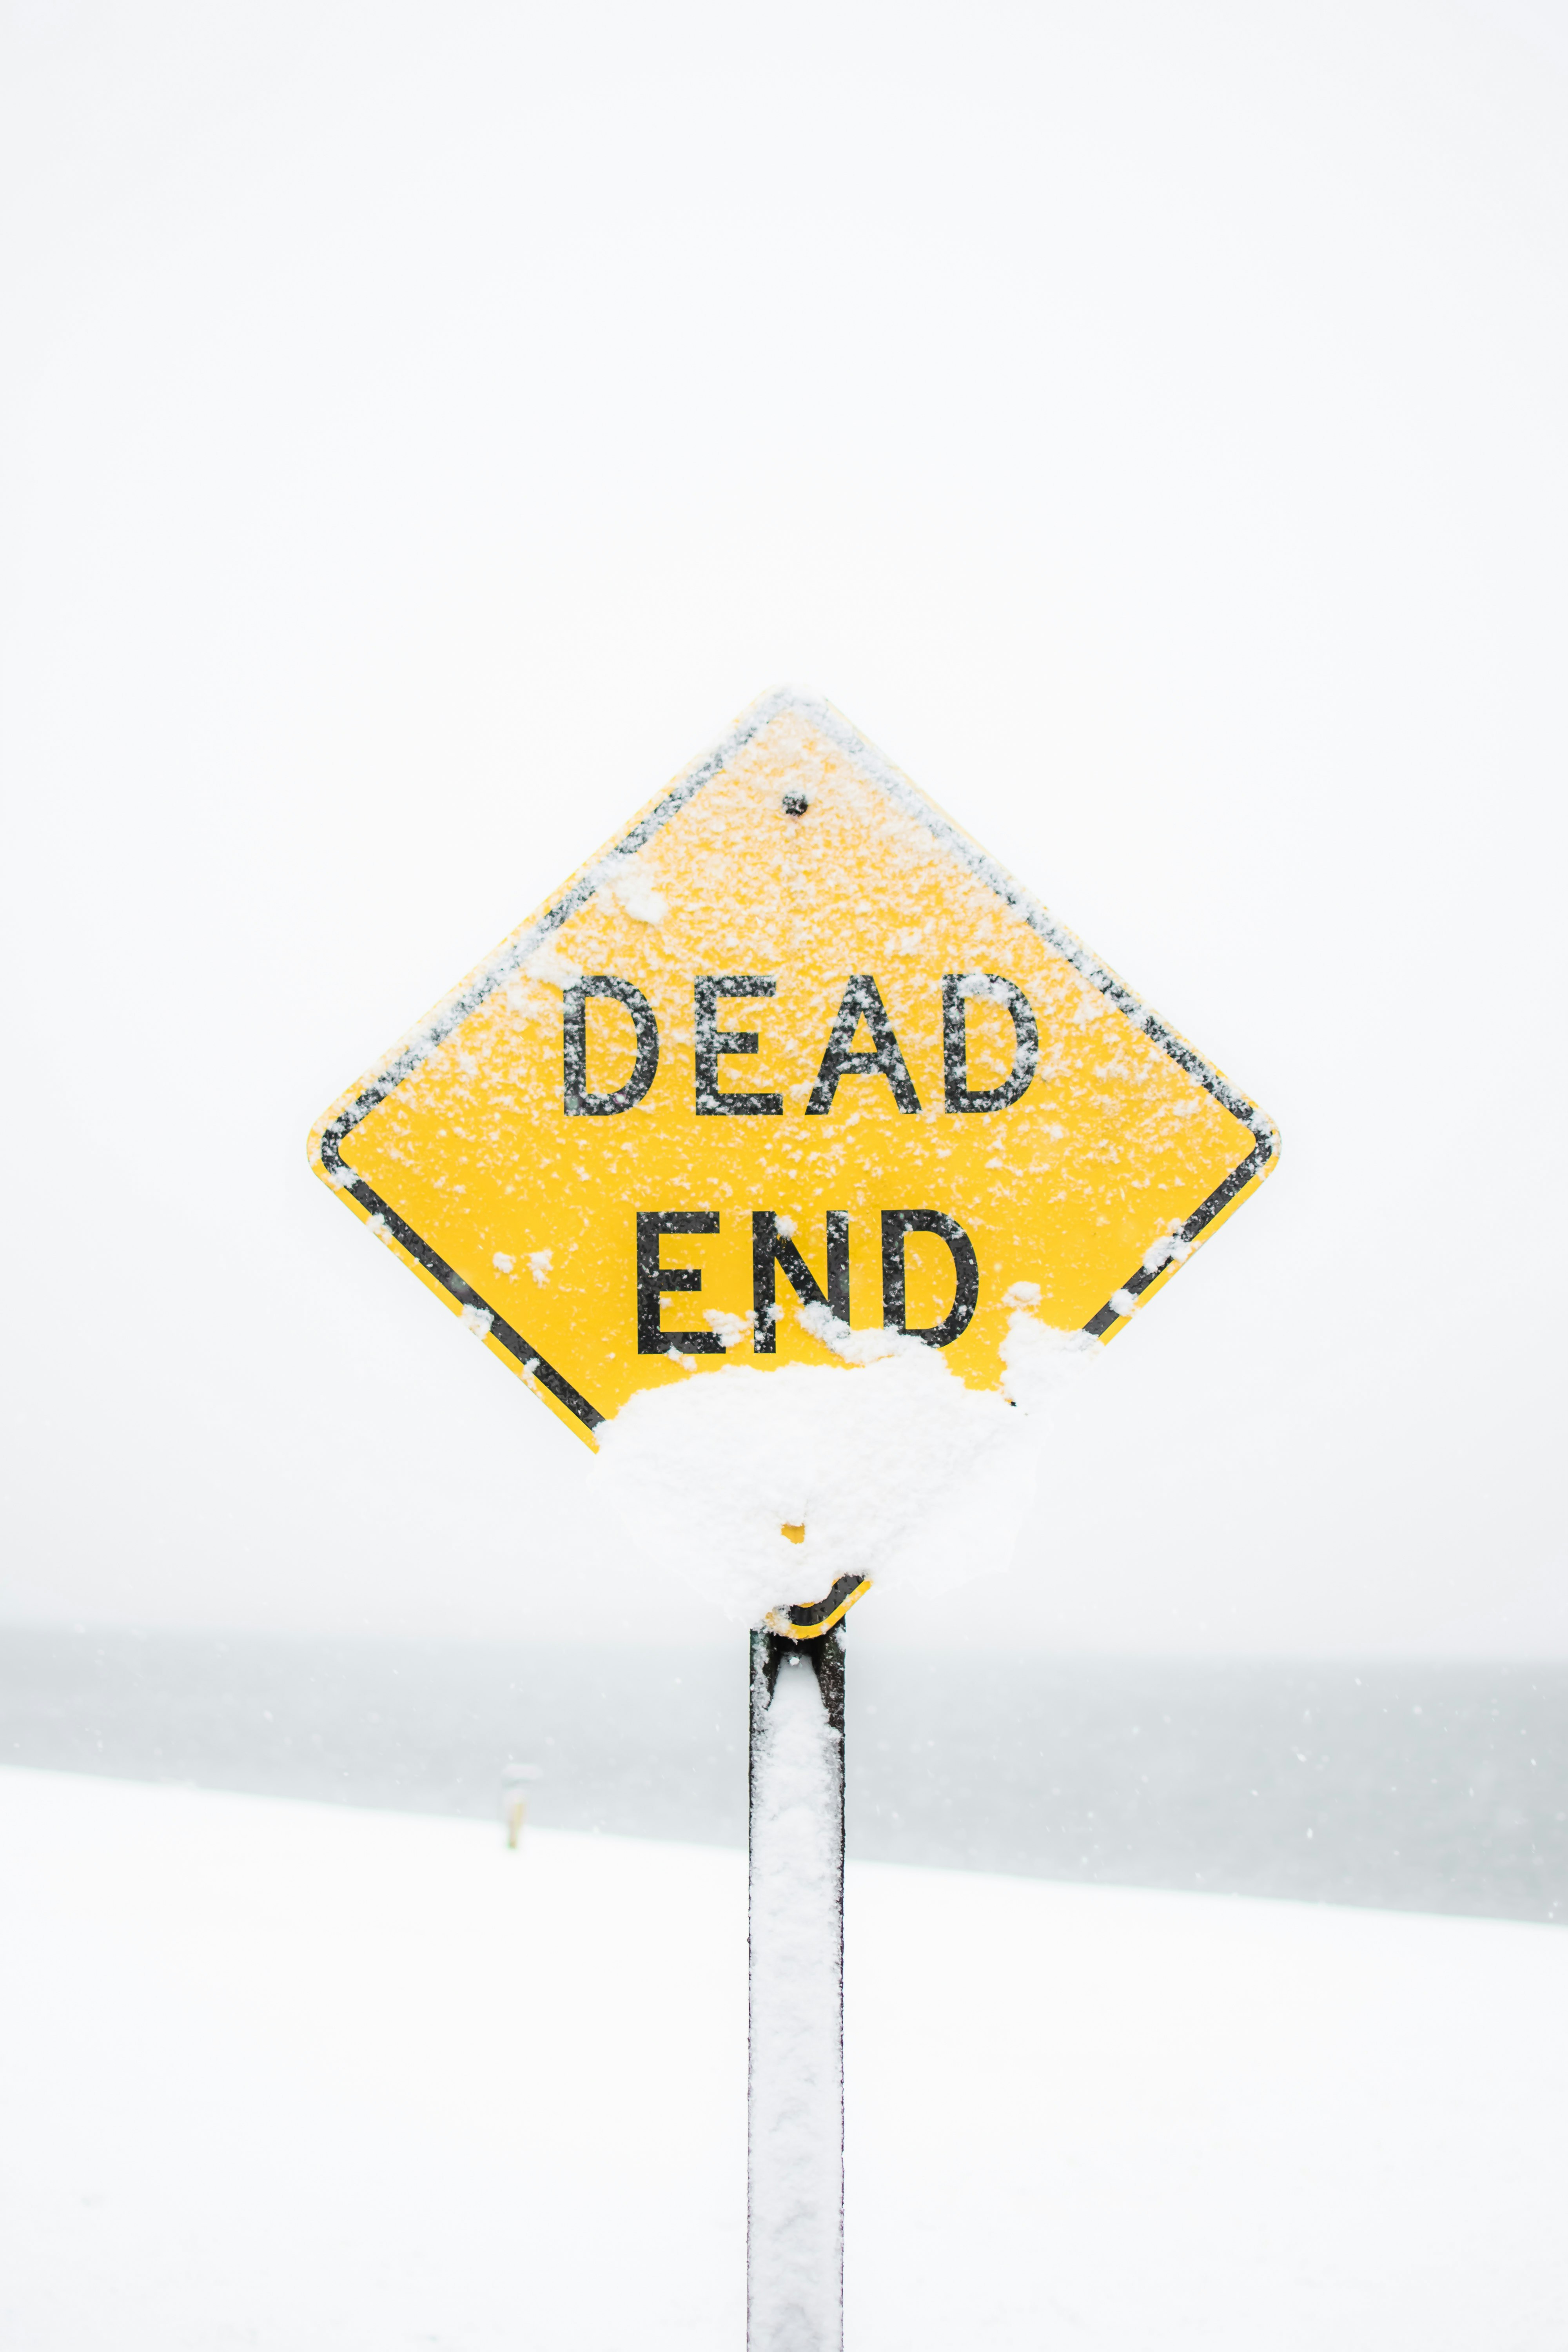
column 426, row 426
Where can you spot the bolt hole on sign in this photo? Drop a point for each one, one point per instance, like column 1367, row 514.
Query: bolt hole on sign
column 792, row 1137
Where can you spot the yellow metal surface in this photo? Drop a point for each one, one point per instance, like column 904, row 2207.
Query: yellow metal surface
column 793, row 854
column 778, row 1621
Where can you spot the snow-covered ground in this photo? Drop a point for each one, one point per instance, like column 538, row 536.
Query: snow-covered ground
column 295, row 2077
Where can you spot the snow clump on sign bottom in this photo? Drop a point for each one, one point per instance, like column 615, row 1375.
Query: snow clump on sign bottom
column 896, row 1469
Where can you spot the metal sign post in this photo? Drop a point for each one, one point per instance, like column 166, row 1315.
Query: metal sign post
column 795, row 2171
column 795, row 2179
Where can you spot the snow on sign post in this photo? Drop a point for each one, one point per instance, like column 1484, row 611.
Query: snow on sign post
column 788, row 1148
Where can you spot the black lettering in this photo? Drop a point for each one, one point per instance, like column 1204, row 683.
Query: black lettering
column 862, row 1001
column 960, row 1096
column 654, row 1280
column 896, row 1224
column 712, row 1040
column 771, row 1248
column 576, row 1100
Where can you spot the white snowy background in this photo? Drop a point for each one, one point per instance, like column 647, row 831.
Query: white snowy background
column 425, row 427
column 362, row 2083
column 422, row 427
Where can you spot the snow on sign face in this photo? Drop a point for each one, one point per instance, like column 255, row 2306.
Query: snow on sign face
column 792, row 1042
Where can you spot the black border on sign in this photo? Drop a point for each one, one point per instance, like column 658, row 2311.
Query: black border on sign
column 508, row 960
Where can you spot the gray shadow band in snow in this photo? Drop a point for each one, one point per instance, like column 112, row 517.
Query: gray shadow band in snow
column 1410, row 1786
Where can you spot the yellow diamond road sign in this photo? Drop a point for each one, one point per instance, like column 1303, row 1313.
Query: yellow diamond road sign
column 793, row 1043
